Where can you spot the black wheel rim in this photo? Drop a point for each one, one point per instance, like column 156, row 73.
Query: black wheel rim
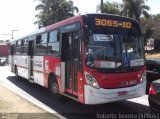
column 55, row 88
column 16, row 73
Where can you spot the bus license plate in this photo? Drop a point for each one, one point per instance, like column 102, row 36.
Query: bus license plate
column 122, row 93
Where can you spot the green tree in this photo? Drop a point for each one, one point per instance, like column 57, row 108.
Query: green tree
column 110, row 8
column 52, row 11
column 135, row 9
column 72, row 9
column 150, row 29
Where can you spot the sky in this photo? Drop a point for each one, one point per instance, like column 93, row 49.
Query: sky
column 19, row 15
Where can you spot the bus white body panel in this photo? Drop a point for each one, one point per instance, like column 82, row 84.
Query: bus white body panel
column 22, row 65
column 38, row 72
column 99, row 96
column 11, row 62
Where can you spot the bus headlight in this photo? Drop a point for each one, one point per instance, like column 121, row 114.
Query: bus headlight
column 91, row 80
column 143, row 78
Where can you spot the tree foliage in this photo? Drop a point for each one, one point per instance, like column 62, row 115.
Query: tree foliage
column 135, row 9
column 52, row 11
column 110, row 8
column 151, row 27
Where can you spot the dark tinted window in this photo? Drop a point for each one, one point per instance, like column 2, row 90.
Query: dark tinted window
column 24, row 46
column 41, row 44
column 53, row 44
column 18, row 47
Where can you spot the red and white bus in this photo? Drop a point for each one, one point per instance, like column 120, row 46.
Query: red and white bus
column 92, row 58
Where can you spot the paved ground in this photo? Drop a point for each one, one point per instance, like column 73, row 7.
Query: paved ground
column 13, row 106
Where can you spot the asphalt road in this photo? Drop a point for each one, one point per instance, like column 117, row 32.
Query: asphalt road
column 69, row 108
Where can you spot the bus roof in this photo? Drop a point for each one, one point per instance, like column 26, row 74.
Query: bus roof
column 66, row 22
column 51, row 27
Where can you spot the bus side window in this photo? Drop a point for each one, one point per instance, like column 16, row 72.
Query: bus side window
column 24, row 46
column 53, row 43
column 38, row 39
column 18, row 47
column 11, row 49
column 41, row 44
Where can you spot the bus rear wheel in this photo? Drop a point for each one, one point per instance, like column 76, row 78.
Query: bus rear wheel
column 16, row 73
column 54, row 89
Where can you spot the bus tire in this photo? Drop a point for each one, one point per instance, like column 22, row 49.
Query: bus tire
column 16, row 73
column 54, row 89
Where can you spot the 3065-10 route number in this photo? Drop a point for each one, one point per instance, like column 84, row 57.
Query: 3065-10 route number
column 112, row 23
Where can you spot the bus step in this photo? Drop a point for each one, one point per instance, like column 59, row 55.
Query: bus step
column 31, row 81
column 71, row 96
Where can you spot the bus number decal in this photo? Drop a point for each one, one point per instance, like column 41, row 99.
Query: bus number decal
column 98, row 22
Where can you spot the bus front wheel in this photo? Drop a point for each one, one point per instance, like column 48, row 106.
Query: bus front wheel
column 54, row 89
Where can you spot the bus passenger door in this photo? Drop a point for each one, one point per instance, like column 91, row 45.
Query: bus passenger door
column 70, row 55
column 75, row 53
column 30, row 58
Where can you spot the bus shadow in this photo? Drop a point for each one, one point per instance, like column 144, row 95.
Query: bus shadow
column 72, row 109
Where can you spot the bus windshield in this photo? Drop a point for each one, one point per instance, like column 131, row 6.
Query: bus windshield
column 110, row 50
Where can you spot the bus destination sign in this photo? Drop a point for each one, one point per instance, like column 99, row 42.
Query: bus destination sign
column 112, row 23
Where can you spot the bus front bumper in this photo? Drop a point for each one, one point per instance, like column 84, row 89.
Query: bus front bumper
column 99, row 96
